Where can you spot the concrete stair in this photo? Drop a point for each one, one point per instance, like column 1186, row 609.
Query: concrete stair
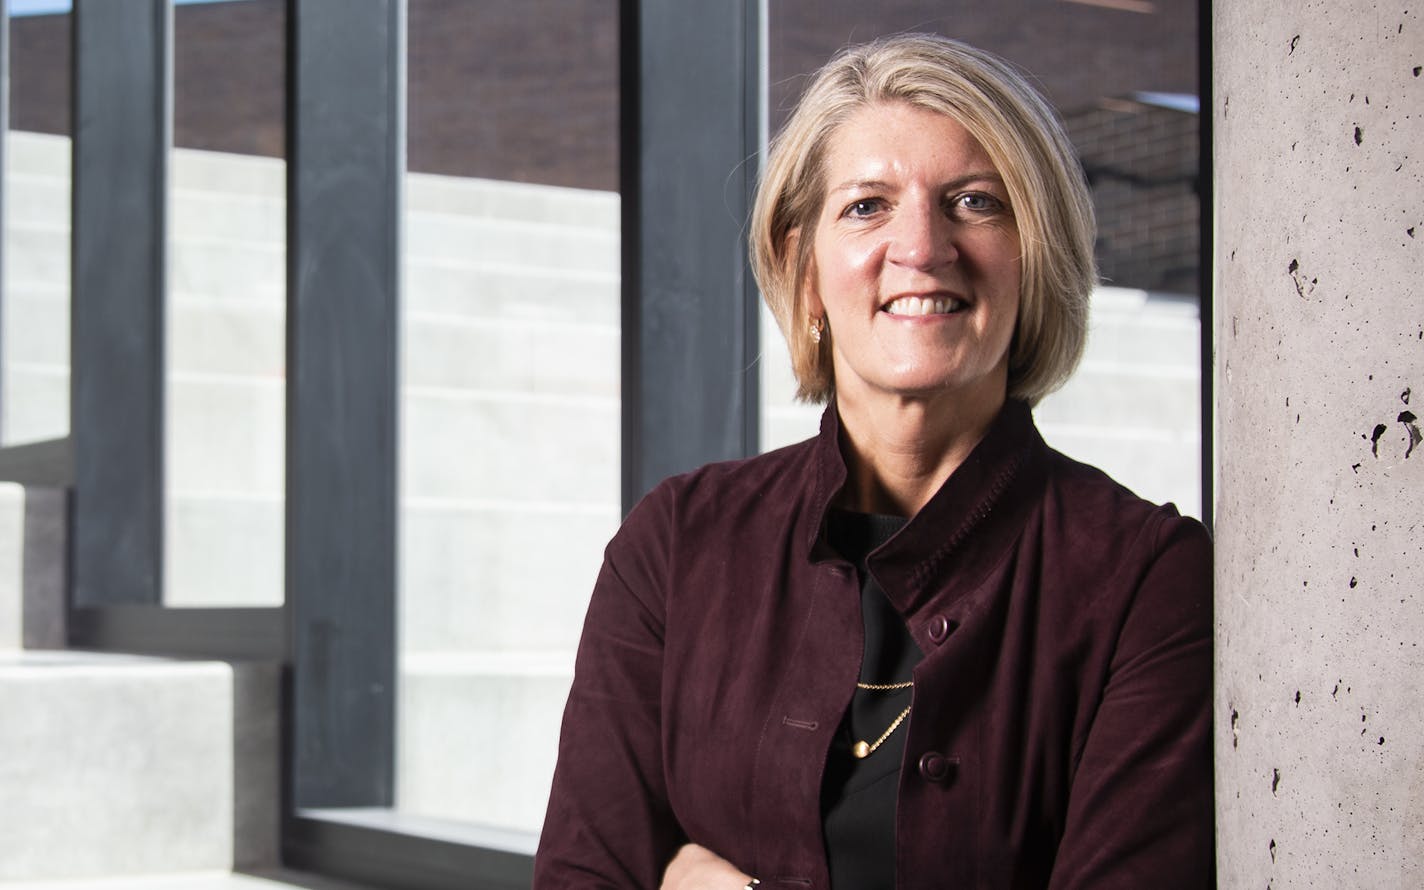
column 121, row 770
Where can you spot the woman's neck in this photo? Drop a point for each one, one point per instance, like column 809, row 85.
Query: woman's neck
column 899, row 451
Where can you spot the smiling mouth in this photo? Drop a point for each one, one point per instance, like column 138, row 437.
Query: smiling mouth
column 924, row 306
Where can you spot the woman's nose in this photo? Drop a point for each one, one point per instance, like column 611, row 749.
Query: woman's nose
column 922, row 238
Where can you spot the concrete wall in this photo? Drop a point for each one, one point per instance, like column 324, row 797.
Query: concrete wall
column 1319, row 118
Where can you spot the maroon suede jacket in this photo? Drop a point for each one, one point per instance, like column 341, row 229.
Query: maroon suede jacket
column 1061, row 731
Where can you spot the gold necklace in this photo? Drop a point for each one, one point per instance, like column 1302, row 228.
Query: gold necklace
column 863, row 749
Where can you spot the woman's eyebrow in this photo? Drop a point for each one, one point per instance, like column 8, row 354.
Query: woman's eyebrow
column 853, row 185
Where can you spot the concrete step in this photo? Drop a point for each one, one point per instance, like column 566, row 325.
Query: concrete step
column 512, row 355
column 474, row 290
column 196, row 170
column 12, row 566
column 429, row 193
column 226, row 433
column 37, row 253
column 478, row 576
column 457, row 444
column 213, row 336
column 274, row 879
column 228, row 215
column 37, row 154
column 224, row 549
column 503, row 290
column 1124, row 398
column 479, row 736
column 34, row 403
column 472, row 574
column 37, row 199
column 452, row 237
column 114, row 765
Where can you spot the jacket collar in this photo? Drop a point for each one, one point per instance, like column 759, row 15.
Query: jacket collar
column 986, row 496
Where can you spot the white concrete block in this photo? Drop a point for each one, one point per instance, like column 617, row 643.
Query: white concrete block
column 224, row 550
column 479, row 737
column 458, row 444
column 1124, row 397
column 229, row 338
column 501, row 290
column 35, row 253
column 450, row 237
column 34, row 404
column 230, row 270
column 226, row 433
column 12, row 566
column 276, row 879
column 36, row 199
column 498, row 576
column 192, row 169
column 37, row 153
column 229, row 215
column 543, row 357
column 426, row 192
column 36, row 326
column 113, row 765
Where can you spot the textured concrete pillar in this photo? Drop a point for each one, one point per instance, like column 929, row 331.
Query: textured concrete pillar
column 1319, row 115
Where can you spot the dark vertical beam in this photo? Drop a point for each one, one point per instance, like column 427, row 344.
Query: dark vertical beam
column 4, row 179
column 689, row 134
column 346, row 110
column 1206, row 195
column 120, row 162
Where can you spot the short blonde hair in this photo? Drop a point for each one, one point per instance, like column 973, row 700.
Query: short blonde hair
column 1023, row 138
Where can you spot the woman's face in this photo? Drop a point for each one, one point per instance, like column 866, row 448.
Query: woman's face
column 916, row 260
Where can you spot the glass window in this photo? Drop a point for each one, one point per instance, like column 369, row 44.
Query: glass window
column 226, row 306
column 510, row 395
column 1124, row 78
column 34, row 376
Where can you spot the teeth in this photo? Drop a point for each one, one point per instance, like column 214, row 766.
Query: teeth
column 922, row 306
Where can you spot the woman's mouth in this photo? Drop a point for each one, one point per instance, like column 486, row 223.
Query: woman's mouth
column 923, row 306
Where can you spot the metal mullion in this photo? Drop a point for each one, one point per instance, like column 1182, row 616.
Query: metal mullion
column 690, row 135
column 345, row 161
column 4, row 174
column 122, row 85
column 1206, row 276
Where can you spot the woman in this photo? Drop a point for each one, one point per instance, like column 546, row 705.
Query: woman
column 922, row 649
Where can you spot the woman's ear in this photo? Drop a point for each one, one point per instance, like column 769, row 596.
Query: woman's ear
column 808, row 294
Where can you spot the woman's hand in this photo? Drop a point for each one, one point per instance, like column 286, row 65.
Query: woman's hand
column 698, row 868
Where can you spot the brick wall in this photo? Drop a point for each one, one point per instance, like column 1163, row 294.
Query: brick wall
column 1141, row 161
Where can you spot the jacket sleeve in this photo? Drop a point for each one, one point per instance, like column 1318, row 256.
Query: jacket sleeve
column 609, row 823
column 1140, row 808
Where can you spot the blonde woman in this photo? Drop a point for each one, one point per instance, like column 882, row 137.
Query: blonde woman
column 922, row 650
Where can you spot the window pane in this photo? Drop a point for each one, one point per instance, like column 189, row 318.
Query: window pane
column 510, row 399
column 1124, row 77
column 34, row 398
column 226, row 306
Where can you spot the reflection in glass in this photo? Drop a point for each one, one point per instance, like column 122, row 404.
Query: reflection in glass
column 226, row 307
column 1124, row 78
column 510, row 397
column 34, row 378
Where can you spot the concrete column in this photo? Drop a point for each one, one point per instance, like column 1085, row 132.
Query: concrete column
column 1319, row 116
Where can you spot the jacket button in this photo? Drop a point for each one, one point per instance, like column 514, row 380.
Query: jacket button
column 940, row 628
column 935, row 767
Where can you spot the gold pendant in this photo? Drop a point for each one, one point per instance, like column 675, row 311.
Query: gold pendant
column 861, row 750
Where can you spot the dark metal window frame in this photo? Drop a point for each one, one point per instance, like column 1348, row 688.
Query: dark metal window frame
column 682, row 334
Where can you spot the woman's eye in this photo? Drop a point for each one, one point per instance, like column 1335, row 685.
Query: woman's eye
column 977, row 201
column 863, row 207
